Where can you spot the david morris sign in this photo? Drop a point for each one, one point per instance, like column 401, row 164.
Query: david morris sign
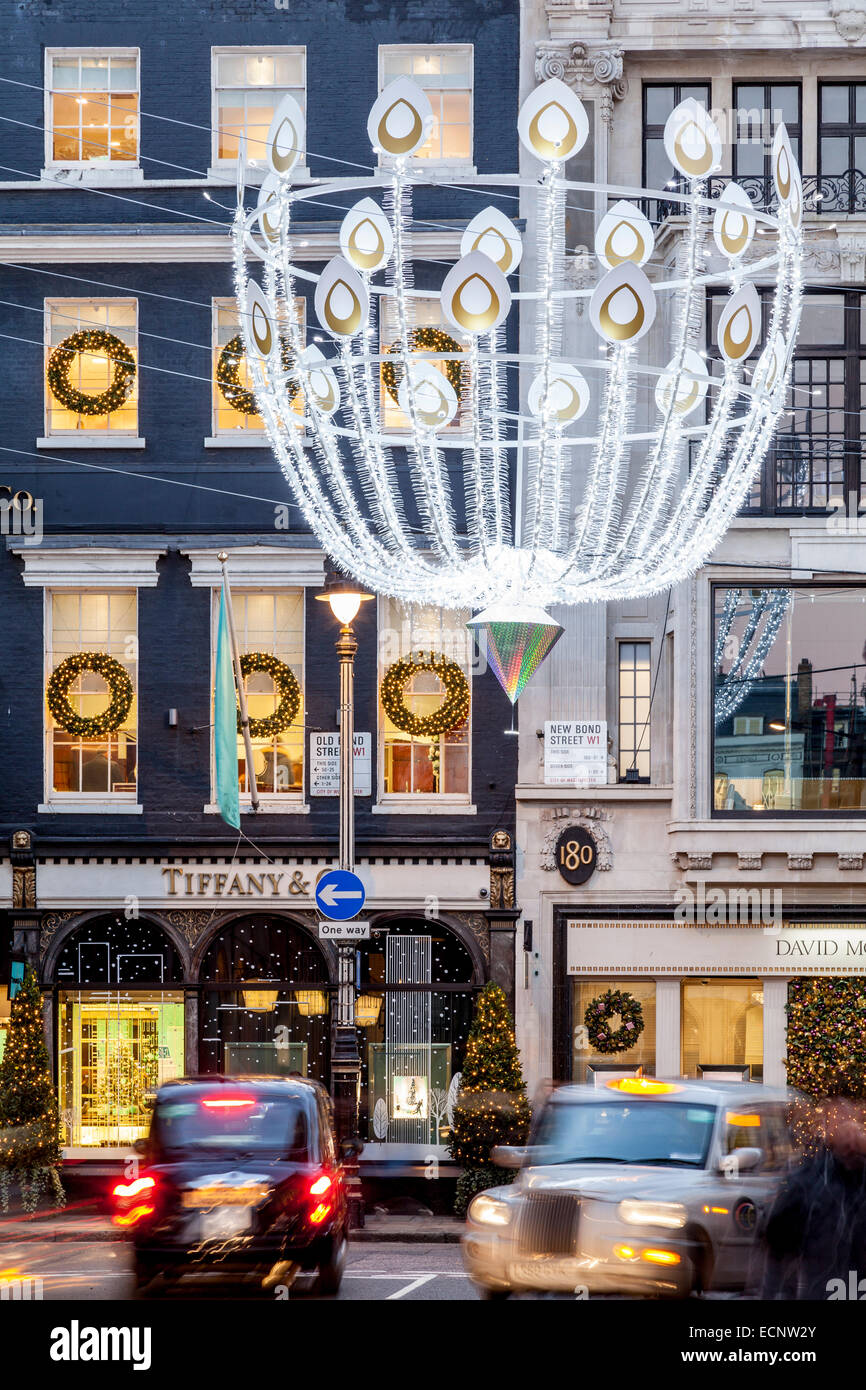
column 660, row 948
column 575, row 753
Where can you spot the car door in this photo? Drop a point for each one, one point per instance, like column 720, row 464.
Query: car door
column 748, row 1192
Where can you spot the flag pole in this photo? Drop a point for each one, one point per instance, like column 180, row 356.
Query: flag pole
column 239, row 679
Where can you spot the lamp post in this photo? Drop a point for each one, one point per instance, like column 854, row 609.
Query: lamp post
column 345, row 598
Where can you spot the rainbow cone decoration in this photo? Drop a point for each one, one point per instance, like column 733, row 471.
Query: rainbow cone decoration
column 518, row 640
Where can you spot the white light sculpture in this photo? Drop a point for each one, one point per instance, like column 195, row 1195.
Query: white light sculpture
column 606, row 481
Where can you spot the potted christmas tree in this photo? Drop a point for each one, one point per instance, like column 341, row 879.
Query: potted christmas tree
column 29, row 1118
column 491, row 1105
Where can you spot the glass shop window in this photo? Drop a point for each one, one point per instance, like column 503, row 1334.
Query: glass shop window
column 584, row 1055
column 722, row 1025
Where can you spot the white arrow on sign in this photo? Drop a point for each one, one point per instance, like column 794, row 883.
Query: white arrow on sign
column 331, row 894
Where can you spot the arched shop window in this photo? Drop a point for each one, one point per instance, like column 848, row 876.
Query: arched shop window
column 265, row 1001
column 414, row 1009
column 120, row 1028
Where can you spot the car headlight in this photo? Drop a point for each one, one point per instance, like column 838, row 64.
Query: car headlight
column 489, row 1211
column 637, row 1213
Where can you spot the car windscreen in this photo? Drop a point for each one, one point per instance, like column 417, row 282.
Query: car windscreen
column 614, row 1132
column 235, row 1125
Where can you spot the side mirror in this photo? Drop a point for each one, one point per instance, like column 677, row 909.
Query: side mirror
column 509, row 1155
column 741, row 1161
column 141, row 1146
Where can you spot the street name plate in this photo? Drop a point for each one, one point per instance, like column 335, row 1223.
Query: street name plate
column 344, row 931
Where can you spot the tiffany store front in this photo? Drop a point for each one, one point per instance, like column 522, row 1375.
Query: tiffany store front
column 136, row 1002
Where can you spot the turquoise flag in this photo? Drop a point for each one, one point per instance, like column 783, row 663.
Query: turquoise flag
column 225, row 726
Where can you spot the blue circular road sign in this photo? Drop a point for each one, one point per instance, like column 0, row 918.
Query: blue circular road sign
column 340, row 895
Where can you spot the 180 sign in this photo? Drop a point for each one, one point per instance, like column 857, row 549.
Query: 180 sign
column 575, row 854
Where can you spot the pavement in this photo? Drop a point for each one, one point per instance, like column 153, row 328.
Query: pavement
column 82, row 1224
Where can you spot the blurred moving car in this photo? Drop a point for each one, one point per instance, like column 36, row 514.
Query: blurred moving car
column 240, row 1175
column 639, row 1186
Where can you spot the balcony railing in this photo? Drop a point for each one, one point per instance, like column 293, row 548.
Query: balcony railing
column 802, row 474
column 822, row 193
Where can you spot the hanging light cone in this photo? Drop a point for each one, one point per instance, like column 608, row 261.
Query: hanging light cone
column 518, row 640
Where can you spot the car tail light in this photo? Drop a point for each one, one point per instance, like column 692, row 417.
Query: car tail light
column 229, row 1103
column 320, row 1213
column 134, row 1201
column 134, row 1188
column 322, row 1184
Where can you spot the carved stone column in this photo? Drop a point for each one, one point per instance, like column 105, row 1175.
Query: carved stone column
column 25, row 918
column 503, row 913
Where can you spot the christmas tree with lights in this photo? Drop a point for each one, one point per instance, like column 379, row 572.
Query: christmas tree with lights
column 827, row 1037
column 491, row 1106
column 29, row 1118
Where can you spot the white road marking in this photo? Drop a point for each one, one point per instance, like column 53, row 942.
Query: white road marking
column 416, row 1284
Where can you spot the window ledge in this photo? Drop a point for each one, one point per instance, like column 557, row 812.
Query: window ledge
column 83, row 440
column 101, row 807
column 423, row 807
column 226, row 172
column 102, row 175
column 251, row 441
column 268, row 806
column 436, row 170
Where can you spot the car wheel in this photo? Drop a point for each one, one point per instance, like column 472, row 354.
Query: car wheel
column 330, row 1275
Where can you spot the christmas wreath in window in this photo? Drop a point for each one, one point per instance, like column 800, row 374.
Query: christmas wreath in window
column 454, row 709
column 286, row 689
column 119, row 688
column 91, row 340
column 425, row 340
column 599, row 1013
column 228, row 381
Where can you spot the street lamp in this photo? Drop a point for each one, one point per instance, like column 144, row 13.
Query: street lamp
column 345, row 598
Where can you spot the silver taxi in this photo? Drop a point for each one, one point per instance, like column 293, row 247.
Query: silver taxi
column 637, row 1187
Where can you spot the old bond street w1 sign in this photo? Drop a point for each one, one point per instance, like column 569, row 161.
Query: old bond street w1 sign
column 325, row 764
column 575, row 753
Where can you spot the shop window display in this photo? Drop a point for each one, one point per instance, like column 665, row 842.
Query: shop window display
column 722, row 1025
column 583, row 1054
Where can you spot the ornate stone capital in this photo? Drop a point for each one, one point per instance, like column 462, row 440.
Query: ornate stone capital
column 594, row 72
column 749, row 863
column 800, row 861
column 849, row 861
column 699, row 861
column 849, row 16
column 852, row 257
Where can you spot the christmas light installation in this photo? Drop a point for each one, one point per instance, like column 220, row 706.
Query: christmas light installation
column 627, row 503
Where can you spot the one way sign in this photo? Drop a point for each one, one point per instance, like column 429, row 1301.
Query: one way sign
column 340, row 895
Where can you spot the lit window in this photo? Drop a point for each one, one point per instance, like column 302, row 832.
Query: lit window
column 248, row 86
column 634, row 711
column 445, row 73
column 417, row 765
column 103, row 763
column 92, row 115
column 233, row 399
column 93, row 386
column 427, row 314
column 271, row 624
column 722, row 1025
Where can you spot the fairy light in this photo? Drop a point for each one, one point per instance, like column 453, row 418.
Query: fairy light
column 609, row 514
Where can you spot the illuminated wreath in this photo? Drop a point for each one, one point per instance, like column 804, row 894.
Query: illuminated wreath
column 597, row 1019
column 240, row 397
column 425, row 340
column 286, row 687
column 451, row 713
column 91, row 340
column 119, row 686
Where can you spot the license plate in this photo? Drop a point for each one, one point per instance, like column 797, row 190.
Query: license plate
column 224, row 1221
column 200, row 1197
column 542, row 1274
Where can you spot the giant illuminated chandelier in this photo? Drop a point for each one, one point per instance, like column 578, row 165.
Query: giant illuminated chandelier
column 628, row 506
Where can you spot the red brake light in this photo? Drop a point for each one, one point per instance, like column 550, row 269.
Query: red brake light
column 321, row 1185
column 129, row 1218
column 320, row 1214
column 132, row 1189
column 229, row 1103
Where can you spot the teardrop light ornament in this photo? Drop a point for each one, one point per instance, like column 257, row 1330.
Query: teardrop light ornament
column 566, row 397
column 286, row 137
column 690, row 383
column 624, row 234
column 433, row 398
column 268, row 209
column 552, row 123
column 257, row 326
column 475, row 295
column 366, row 239
column 623, row 304
column 739, row 325
column 401, row 119
column 692, row 140
column 342, row 300
column 783, row 164
column 732, row 229
column 491, row 233
column 771, row 365
column 323, row 389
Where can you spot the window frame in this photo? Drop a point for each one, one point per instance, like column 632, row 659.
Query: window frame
column 220, row 165
column 416, row 803
column 240, row 438
column 464, row 163
column 654, row 131
column 287, row 802
column 826, row 814
column 114, row 169
column 850, row 130
column 78, row 438
column 646, row 728
column 795, row 131
column 78, row 802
